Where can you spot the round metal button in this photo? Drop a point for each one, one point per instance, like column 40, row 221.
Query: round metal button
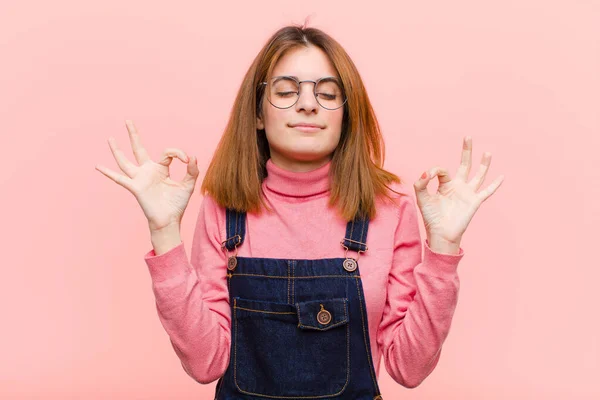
column 231, row 263
column 323, row 317
column 350, row 264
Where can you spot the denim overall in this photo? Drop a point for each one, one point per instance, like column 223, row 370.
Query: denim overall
column 298, row 327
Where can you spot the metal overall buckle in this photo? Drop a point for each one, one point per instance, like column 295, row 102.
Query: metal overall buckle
column 231, row 259
column 350, row 264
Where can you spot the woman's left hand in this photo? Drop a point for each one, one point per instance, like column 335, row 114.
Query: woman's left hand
column 447, row 213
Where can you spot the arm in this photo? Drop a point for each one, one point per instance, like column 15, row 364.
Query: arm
column 192, row 298
column 422, row 294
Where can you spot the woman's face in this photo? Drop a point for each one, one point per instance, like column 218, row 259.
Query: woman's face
column 291, row 147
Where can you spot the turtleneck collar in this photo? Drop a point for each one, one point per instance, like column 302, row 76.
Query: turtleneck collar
column 297, row 184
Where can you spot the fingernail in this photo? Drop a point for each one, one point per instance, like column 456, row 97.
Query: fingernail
column 424, row 175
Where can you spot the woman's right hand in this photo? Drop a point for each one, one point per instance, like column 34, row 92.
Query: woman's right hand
column 162, row 199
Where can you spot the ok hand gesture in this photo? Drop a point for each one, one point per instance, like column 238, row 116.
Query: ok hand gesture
column 447, row 213
column 162, row 199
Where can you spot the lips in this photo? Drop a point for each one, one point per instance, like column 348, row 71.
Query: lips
column 305, row 125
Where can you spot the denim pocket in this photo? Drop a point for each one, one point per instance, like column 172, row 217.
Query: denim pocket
column 286, row 350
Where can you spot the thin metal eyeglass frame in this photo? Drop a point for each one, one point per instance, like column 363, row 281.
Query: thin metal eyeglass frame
column 315, row 83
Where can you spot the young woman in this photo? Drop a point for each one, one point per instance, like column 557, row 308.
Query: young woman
column 306, row 262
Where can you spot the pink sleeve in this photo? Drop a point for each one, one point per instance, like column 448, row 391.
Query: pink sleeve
column 192, row 299
column 422, row 294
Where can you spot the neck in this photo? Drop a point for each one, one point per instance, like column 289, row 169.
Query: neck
column 298, row 165
column 297, row 183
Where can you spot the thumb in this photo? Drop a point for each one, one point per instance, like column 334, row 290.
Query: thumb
column 421, row 186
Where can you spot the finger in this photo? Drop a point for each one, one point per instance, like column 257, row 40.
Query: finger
column 170, row 152
column 478, row 179
column 465, row 160
column 140, row 153
column 125, row 165
column 490, row 190
column 118, row 178
column 192, row 171
column 442, row 174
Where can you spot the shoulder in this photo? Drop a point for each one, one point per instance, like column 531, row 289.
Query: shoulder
column 209, row 208
column 209, row 204
column 403, row 199
column 211, row 216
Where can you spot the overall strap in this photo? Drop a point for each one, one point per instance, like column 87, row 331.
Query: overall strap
column 356, row 234
column 236, row 228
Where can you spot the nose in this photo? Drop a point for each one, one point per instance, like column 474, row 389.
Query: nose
column 306, row 98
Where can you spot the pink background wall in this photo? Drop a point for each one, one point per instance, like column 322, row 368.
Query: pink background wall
column 521, row 77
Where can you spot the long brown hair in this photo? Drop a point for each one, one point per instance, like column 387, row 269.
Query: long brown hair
column 234, row 176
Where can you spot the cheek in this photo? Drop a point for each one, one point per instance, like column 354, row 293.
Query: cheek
column 274, row 119
column 336, row 120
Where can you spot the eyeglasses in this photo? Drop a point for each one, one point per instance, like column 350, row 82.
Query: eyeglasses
column 284, row 92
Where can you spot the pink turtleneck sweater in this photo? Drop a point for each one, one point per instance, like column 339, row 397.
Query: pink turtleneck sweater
column 410, row 291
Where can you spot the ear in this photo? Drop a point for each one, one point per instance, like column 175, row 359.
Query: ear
column 259, row 122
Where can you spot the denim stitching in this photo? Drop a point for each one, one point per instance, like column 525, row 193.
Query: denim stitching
column 236, row 341
column 264, row 311
column 237, row 231
column 232, row 217
column 351, row 232
column 288, row 271
column 293, row 281
column 226, row 226
column 241, row 228
column 361, row 235
column 322, row 329
column 229, row 276
column 347, row 346
column 362, row 318
column 230, row 227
